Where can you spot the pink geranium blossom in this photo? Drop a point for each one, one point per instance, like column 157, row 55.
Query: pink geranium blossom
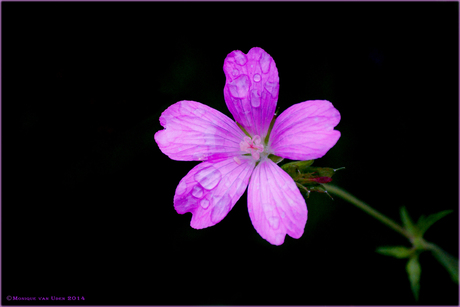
column 233, row 160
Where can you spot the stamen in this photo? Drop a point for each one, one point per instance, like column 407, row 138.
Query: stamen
column 254, row 146
column 237, row 160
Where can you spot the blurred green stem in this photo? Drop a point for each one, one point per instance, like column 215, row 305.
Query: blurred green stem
column 449, row 262
column 368, row 209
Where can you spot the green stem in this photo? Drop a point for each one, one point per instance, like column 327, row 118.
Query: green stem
column 366, row 208
column 449, row 262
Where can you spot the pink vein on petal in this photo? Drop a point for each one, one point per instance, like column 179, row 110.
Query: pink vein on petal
column 210, row 190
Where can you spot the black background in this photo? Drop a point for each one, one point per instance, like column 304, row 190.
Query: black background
column 87, row 196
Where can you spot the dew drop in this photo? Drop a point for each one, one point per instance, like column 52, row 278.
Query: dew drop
column 221, row 208
column 209, row 177
column 197, row 191
column 274, row 221
column 265, row 62
column 256, row 77
column 184, row 204
column 181, row 188
column 255, row 98
column 272, row 88
column 239, row 87
column 240, row 58
column 204, row 203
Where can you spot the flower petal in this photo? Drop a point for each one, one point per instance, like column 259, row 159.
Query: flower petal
column 275, row 204
column 196, row 132
column 305, row 131
column 251, row 89
column 210, row 190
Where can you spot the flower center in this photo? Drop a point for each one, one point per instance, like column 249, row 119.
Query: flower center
column 252, row 146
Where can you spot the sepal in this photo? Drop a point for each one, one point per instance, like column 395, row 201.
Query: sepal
column 309, row 178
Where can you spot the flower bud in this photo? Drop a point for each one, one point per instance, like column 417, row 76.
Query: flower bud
column 309, row 178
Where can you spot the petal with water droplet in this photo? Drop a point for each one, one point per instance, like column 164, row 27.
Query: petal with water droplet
column 197, row 191
column 208, row 177
column 204, row 203
column 221, row 207
column 239, row 87
column 216, row 196
column 275, row 205
column 252, row 99
column 240, row 58
column 255, row 98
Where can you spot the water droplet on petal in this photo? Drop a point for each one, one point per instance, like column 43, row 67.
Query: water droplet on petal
column 256, row 77
column 274, row 221
column 265, row 62
column 239, row 87
column 255, row 98
column 221, row 208
column 181, row 188
column 240, row 57
column 197, row 191
column 208, row 177
column 204, row 203
column 185, row 204
column 272, row 88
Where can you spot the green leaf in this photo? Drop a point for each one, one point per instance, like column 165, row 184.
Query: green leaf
column 408, row 224
column 424, row 223
column 414, row 271
column 449, row 262
column 395, row 251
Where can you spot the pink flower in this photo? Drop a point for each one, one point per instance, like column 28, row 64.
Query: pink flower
column 232, row 160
